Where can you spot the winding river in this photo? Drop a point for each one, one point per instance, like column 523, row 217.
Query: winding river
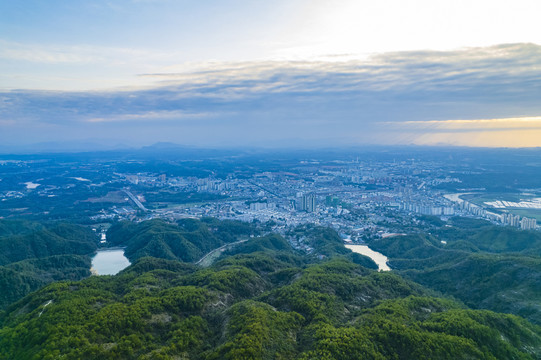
column 379, row 259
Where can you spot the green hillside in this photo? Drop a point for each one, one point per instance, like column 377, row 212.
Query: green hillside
column 20, row 240
column 35, row 254
column 255, row 306
column 186, row 240
column 20, row 278
column 262, row 299
column 485, row 266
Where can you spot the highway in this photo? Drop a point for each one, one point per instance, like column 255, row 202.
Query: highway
column 135, row 200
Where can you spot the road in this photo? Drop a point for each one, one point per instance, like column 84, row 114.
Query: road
column 135, row 200
column 214, row 252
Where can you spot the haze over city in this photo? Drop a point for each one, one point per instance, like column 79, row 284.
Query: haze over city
column 270, row 74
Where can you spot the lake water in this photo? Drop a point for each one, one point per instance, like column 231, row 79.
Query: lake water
column 379, row 259
column 109, row 262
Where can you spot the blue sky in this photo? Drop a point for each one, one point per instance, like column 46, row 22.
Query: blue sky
column 281, row 73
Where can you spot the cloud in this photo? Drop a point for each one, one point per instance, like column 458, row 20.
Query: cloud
column 83, row 54
column 428, row 70
column 501, row 124
column 153, row 116
column 501, row 132
column 386, row 98
column 516, row 138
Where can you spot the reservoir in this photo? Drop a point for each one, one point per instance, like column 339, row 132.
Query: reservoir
column 109, row 262
column 379, row 259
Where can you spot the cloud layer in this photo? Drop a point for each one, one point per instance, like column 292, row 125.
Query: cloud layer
column 391, row 98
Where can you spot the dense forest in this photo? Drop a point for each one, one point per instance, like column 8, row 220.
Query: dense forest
column 261, row 300
column 186, row 240
column 35, row 254
column 485, row 266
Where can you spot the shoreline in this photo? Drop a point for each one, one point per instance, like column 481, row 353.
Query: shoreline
column 115, row 248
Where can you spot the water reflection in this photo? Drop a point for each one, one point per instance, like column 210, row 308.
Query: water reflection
column 109, row 262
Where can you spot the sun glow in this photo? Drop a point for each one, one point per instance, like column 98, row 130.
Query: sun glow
column 505, row 132
column 359, row 27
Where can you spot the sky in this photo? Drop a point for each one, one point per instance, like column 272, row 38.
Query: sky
column 295, row 73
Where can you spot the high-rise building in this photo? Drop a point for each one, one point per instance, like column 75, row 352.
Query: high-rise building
column 514, row 220
column 307, row 203
column 528, row 224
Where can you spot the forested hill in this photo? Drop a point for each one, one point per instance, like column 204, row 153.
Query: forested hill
column 189, row 240
column 35, row 254
column 255, row 306
column 263, row 300
column 485, row 266
column 186, row 240
column 20, row 240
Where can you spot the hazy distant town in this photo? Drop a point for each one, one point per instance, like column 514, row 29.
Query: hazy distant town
column 360, row 198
